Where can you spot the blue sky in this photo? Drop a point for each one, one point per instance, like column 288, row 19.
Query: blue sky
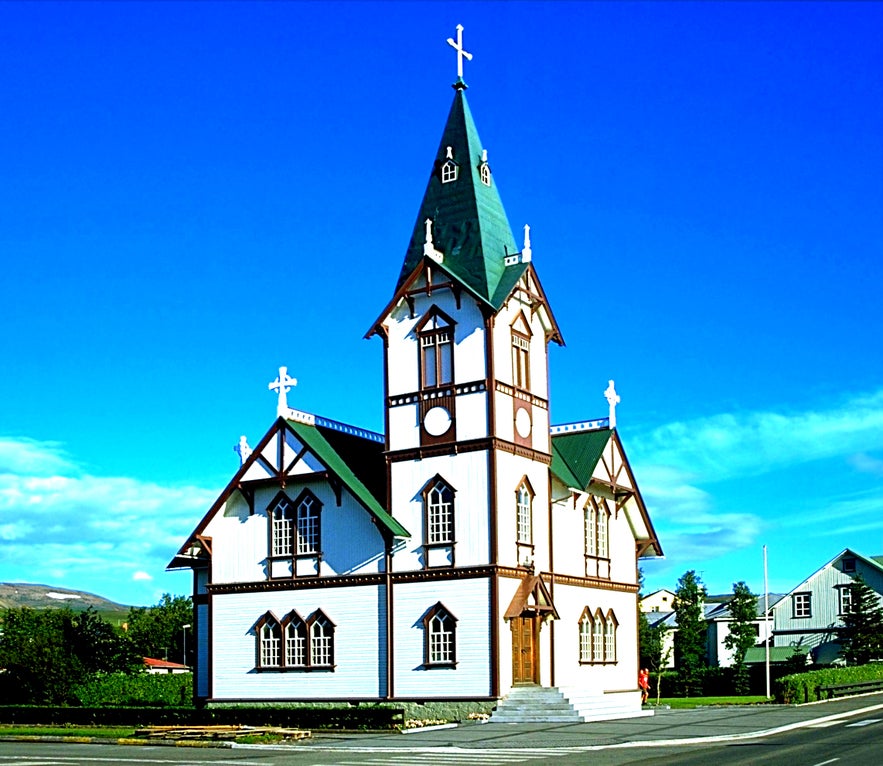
column 195, row 194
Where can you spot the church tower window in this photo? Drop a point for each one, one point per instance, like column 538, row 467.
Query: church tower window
column 524, row 506
column 484, row 170
column 436, row 336
column 439, row 503
column 521, row 353
column 449, row 169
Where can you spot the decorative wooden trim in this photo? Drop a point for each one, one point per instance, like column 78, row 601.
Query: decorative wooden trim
column 594, row 582
column 517, row 393
column 472, row 445
column 260, row 586
column 412, row 576
column 415, row 397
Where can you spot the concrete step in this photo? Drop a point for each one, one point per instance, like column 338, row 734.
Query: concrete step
column 534, row 704
column 543, row 704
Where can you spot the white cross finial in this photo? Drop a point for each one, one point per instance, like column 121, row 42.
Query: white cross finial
column 461, row 53
column 243, row 450
column 282, row 385
column 612, row 399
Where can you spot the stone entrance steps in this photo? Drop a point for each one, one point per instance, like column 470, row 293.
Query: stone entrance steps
column 544, row 704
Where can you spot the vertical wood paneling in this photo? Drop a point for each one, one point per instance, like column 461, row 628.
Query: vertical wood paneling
column 359, row 670
column 469, row 601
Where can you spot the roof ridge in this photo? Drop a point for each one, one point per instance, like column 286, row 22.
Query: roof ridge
column 309, row 419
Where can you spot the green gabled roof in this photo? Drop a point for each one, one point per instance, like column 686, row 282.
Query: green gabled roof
column 575, row 455
column 469, row 224
column 313, row 439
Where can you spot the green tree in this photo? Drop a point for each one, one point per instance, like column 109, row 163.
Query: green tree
column 158, row 631
column 861, row 637
column 690, row 638
column 45, row 653
column 743, row 633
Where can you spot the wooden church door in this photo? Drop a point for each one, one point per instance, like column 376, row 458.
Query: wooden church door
column 525, row 640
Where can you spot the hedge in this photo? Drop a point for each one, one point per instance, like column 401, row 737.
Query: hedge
column 138, row 690
column 306, row 717
column 803, row 687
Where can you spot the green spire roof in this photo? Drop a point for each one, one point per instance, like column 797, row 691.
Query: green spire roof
column 469, row 224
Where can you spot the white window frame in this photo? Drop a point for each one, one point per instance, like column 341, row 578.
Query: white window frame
column 801, row 605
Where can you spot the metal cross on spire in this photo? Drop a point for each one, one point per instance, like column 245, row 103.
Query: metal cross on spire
column 461, row 52
column 612, row 399
column 282, row 385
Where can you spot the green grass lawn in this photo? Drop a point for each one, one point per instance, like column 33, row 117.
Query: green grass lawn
column 685, row 703
column 109, row 732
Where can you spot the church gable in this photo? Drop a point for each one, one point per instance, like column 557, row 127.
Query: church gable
column 592, row 463
column 283, row 455
column 290, row 457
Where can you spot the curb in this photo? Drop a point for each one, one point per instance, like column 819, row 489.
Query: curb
column 109, row 741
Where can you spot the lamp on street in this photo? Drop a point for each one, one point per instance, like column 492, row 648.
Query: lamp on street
column 184, row 628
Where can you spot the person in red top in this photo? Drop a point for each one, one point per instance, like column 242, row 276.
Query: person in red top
column 644, row 684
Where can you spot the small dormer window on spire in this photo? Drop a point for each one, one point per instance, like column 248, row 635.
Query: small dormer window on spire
column 450, row 168
column 484, row 169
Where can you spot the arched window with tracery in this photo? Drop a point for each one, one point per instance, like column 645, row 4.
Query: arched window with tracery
column 440, row 637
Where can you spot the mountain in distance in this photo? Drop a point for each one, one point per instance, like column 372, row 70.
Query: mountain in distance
column 14, row 595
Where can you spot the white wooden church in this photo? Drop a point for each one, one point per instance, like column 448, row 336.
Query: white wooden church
column 469, row 549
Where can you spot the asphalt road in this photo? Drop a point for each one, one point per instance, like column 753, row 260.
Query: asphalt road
column 840, row 732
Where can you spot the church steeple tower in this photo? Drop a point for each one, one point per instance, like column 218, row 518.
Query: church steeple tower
column 466, row 340
column 469, row 225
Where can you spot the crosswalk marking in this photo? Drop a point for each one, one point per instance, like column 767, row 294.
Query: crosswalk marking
column 422, row 759
column 866, row 722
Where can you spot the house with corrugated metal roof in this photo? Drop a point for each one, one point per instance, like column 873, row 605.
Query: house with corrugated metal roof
column 472, row 550
column 809, row 615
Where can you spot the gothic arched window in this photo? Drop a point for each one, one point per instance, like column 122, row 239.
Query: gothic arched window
column 440, row 631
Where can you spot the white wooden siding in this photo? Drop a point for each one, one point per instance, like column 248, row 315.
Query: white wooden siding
column 622, row 675
column 510, row 471
column 359, row 670
column 823, row 587
column 469, row 602
column 471, row 415
column 350, row 542
column 467, row 473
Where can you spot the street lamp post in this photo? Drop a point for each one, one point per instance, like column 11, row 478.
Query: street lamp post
column 184, row 628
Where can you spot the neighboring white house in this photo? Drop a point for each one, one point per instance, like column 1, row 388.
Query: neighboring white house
column 717, row 622
column 472, row 546
column 808, row 617
column 661, row 600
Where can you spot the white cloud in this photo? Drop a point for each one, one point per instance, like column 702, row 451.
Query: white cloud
column 80, row 528
column 865, row 463
column 35, row 458
column 685, row 470
column 729, row 444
